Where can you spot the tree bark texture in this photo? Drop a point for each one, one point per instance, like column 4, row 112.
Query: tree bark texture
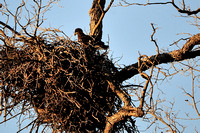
column 96, row 15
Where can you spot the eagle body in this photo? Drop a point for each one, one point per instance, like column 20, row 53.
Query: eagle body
column 86, row 39
column 83, row 38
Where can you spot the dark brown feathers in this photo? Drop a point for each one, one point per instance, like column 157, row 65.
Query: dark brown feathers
column 86, row 39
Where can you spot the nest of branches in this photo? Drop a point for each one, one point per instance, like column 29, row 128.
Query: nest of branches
column 64, row 82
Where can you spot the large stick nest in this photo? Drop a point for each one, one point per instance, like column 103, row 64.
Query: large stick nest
column 63, row 81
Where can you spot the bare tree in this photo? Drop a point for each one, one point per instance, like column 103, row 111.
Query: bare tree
column 73, row 87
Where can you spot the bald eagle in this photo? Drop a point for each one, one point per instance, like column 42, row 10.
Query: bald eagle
column 86, row 39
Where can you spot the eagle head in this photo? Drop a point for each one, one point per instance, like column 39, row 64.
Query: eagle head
column 78, row 31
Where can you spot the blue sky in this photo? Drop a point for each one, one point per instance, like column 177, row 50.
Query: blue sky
column 129, row 30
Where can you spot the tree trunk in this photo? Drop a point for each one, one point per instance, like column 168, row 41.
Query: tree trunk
column 96, row 13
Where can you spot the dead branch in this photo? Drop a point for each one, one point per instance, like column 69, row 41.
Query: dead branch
column 184, row 10
column 185, row 52
column 11, row 29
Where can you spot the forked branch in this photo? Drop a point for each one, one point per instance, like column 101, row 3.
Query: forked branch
column 126, row 111
column 97, row 14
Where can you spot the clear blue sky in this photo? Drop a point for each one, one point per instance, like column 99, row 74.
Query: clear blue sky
column 129, row 31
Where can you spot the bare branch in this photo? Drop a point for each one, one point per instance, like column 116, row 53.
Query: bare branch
column 189, row 12
column 121, row 115
column 152, row 39
column 184, row 10
column 177, row 55
column 11, row 29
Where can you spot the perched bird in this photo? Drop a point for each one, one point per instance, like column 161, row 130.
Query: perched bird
column 85, row 39
column 82, row 38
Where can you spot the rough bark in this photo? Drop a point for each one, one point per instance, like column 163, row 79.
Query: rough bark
column 121, row 115
column 95, row 13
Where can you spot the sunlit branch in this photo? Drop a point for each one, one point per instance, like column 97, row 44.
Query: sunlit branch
column 178, row 55
column 102, row 16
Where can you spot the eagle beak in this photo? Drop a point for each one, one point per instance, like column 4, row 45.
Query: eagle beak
column 75, row 33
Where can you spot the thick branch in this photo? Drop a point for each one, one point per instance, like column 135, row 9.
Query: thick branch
column 121, row 94
column 11, row 29
column 177, row 55
column 124, row 112
column 189, row 12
